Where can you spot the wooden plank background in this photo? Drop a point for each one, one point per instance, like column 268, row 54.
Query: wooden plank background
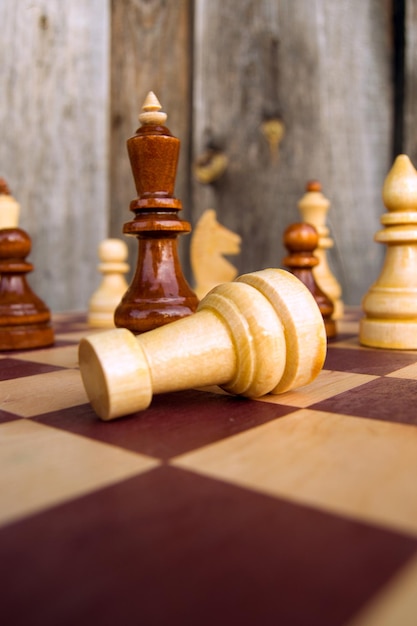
column 54, row 105
column 150, row 51
column 73, row 76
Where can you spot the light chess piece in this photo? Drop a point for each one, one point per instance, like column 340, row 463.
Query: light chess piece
column 104, row 301
column 9, row 207
column 262, row 333
column 390, row 305
column 24, row 317
column 314, row 207
column 159, row 292
column 301, row 241
column 209, row 242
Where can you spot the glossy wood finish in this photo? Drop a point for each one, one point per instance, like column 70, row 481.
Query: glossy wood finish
column 24, row 317
column 150, row 48
column 301, row 240
column 159, row 292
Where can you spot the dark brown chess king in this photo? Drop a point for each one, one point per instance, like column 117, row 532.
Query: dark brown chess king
column 159, row 292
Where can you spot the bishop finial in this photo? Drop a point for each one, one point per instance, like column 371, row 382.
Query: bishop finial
column 399, row 191
column 151, row 111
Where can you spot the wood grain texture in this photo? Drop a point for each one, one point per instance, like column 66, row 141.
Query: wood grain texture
column 53, row 153
column 410, row 77
column 261, row 334
column 150, row 51
column 324, row 69
column 299, row 457
column 73, row 76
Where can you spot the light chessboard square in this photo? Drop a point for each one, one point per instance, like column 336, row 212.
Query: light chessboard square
column 42, row 466
column 351, row 466
column 34, row 395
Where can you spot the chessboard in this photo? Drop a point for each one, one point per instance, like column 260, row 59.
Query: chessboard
column 298, row 509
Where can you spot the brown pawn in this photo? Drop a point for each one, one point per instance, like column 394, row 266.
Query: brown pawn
column 301, row 240
column 159, row 293
column 24, row 318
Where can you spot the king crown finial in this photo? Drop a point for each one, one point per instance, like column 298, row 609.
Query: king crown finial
column 151, row 111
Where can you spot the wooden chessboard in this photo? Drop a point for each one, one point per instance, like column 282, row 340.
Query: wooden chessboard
column 206, row 509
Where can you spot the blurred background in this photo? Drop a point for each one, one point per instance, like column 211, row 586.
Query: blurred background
column 338, row 79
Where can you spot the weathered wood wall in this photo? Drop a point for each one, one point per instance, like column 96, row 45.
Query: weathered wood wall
column 73, row 76
column 324, row 68
column 150, row 50
column 409, row 130
column 54, row 147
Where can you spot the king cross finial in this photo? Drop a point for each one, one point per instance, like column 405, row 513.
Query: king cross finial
column 151, row 111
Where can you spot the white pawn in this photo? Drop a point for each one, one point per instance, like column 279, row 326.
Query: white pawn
column 112, row 254
column 262, row 333
column 9, row 207
column 391, row 302
column 313, row 207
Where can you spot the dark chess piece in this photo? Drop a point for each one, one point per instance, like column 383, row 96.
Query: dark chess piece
column 313, row 207
column 159, row 293
column 301, row 240
column 24, row 318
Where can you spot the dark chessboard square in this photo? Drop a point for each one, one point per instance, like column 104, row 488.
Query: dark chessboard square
column 363, row 361
column 174, row 547
column 388, row 399
column 17, row 368
column 175, row 423
column 5, row 416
